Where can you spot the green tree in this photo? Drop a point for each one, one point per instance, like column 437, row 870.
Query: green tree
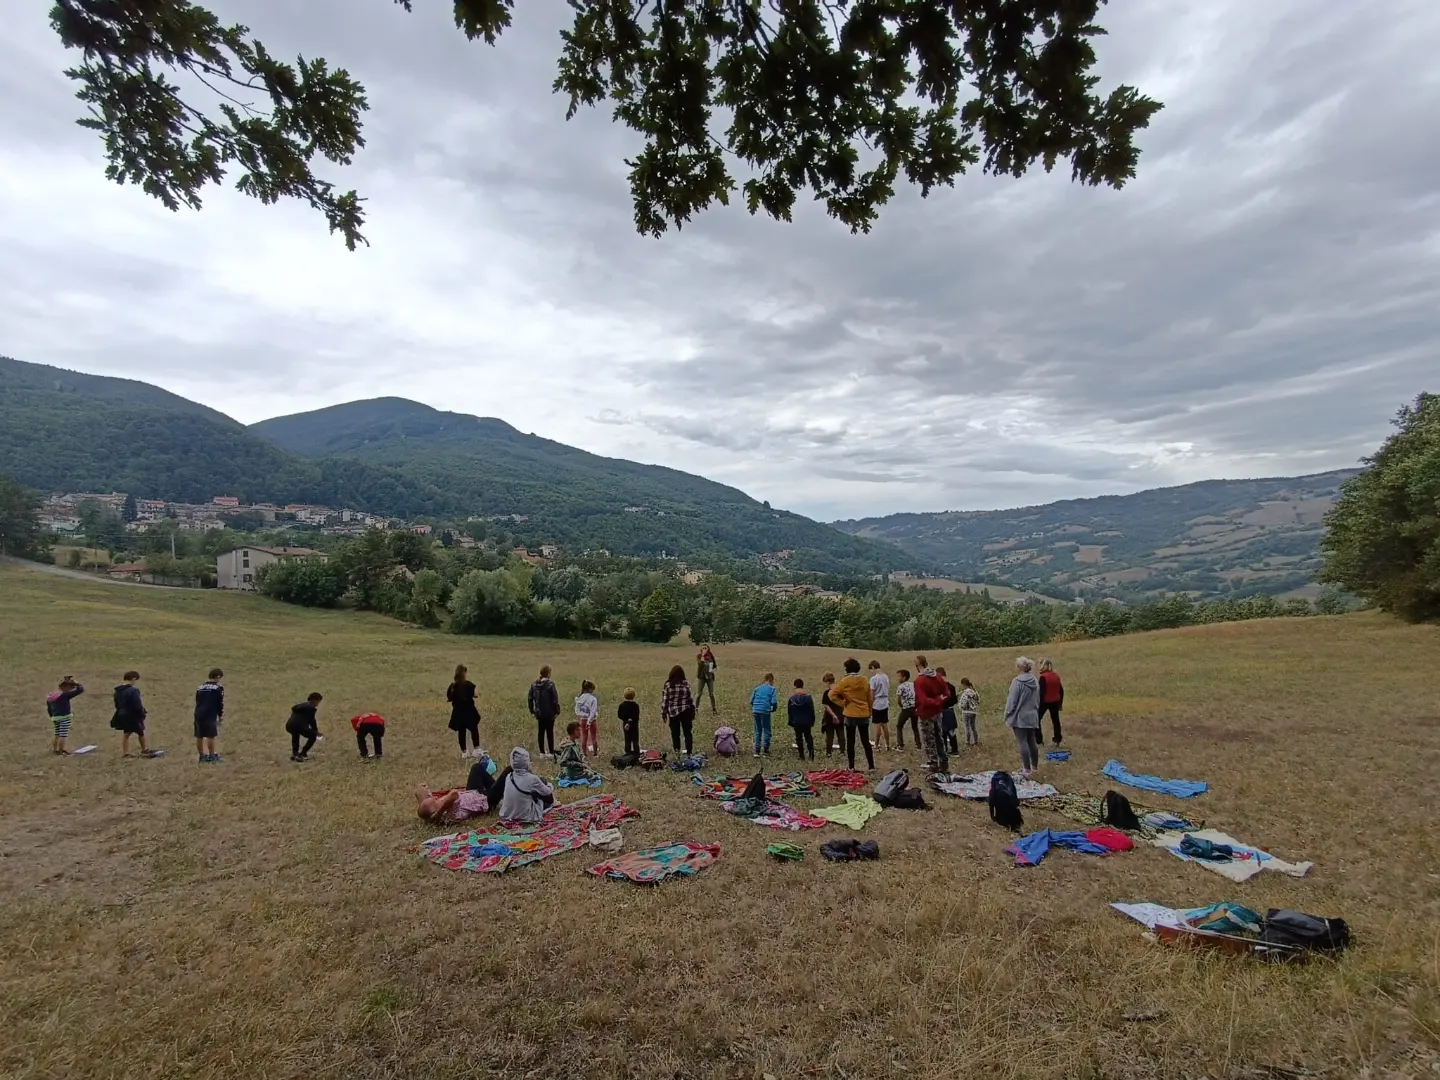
column 657, row 618
column 426, row 594
column 129, row 510
column 491, row 602
column 100, row 525
column 19, row 518
column 927, row 88
column 1383, row 541
column 307, row 582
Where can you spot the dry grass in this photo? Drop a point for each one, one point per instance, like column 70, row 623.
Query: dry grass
column 263, row 920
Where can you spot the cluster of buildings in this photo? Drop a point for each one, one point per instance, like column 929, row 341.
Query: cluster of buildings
column 61, row 514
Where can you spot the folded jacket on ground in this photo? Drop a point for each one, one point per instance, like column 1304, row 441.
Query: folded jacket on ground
column 1030, row 850
column 850, row 850
column 1181, row 789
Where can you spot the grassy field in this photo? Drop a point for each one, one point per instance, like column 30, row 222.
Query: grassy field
column 262, row 920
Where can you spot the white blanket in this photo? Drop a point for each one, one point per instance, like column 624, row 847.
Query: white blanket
column 1151, row 915
column 1249, row 861
column 977, row 786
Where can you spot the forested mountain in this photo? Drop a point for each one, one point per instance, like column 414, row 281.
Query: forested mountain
column 1214, row 538
column 66, row 431
column 570, row 496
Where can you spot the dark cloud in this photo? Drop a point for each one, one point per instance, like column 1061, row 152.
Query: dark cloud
column 1259, row 301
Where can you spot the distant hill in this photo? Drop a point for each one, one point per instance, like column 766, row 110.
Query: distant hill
column 570, row 496
column 66, row 431
column 1213, row 538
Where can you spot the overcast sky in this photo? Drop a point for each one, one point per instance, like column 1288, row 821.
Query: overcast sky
column 1258, row 303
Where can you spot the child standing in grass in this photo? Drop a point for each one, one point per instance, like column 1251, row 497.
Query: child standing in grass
column 763, row 703
column 905, row 699
column 969, row 703
column 587, row 711
column 801, row 710
column 832, row 721
column 879, row 705
column 209, row 711
column 57, row 705
column 303, row 722
column 949, row 725
column 629, row 715
column 129, row 718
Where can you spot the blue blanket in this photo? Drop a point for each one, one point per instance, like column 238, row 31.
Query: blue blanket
column 1181, row 789
column 1029, row 850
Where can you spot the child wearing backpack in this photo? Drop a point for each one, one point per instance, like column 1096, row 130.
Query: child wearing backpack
column 969, row 703
column 57, row 707
column 801, row 711
column 629, row 716
column 763, row 703
column 587, row 712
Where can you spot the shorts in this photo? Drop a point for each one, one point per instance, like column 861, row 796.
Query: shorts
column 62, row 726
column 130, row 725
column 207, row 727
column 880, row 716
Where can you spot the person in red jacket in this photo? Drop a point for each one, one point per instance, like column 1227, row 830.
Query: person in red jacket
column 373, row 725
column 1052, row 697
column 931, row 693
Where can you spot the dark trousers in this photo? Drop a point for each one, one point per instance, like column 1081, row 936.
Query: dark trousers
column 863, row 727
column 907, row 714
column 632, row 739
column 1054, row 711
column 471, row 728
column 684, row 724
column 376, row 732
column 544, row 735
column 949, row 726
column 707, row 686
column 296, row 750
column 805, row 742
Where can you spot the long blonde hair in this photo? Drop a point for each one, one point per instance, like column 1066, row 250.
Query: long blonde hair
column 1047, row 665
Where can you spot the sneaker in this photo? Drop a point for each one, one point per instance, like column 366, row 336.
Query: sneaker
column 294, row 757
column 152, row 753
column 755, row 754
column 364, row 757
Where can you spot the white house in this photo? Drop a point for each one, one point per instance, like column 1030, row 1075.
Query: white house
column 237, row 569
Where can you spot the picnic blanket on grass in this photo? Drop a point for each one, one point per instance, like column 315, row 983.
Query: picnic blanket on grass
column 852, row 810
column 594, row 780
column 1181, row 789
column 1244, row 862
column 1085, row 809
column 650, row 866
column 772, row 814
column 847, row 779
column 782, row 786
column 493, row 849
column 977, row 786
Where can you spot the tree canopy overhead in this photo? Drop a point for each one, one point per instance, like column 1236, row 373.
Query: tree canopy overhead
column 838, row 98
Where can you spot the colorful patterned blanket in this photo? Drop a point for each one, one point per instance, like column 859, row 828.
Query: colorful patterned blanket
column 772, row 814
column 783, row 786
column 503, row 846
column 650, row 866
column 1086, row 810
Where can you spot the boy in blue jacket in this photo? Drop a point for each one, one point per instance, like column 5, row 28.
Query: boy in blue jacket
column 763, row 703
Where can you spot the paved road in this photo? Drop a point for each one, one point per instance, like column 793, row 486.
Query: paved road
column 63, row 571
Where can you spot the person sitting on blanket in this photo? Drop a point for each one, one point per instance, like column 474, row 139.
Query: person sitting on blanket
column 526, row 796
column 570, row 762
column 452, row 807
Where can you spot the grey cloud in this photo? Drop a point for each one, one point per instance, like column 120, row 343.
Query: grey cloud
column 1258, row 301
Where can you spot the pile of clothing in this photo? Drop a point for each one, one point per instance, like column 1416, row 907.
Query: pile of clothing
column 1280, row 934
column 1031, row 850
column 772, row 814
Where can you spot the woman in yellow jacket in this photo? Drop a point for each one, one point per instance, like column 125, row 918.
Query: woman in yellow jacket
column 852, row 694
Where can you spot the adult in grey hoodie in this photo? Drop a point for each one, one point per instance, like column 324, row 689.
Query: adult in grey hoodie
column 1022, row 714
column 526, row 797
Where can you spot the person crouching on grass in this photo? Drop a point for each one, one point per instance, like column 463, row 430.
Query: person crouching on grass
column 129, row 718
column 209, row 711
column 371, row 725
column 303, row 722
column 57, row 706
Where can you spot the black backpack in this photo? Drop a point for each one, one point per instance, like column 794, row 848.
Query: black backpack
column 1116, row 811
column 1005, row 802
column 891, row 786
column 1301, row 931
column 625, row 761
column 909, row 799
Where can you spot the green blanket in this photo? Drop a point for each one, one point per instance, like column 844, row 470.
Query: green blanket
column 853, row 810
